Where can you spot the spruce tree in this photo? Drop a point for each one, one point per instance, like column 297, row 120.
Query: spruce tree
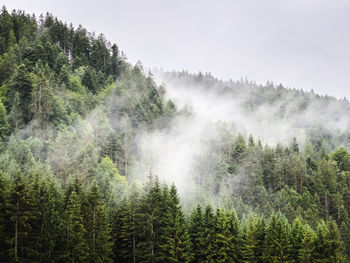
column 18, row 210
column 4, row 185
column 276, row 246
column 148, row 223
column 196, row 231
column 76, row 246
column 307, row 247
column 208, row 239
column 98, row 228
column 254, row 242
column 296, row 237
column 328, row 244
column 227, row 235
column 175, row 241
column 124, row 232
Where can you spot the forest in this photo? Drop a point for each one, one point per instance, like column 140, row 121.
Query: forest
column 81, row 171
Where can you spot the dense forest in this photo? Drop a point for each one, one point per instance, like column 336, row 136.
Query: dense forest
column 74, row 187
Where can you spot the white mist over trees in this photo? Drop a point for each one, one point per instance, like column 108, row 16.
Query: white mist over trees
column 215, row 112
column 99, row 163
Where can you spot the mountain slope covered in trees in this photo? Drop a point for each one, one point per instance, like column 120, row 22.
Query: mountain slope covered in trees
column 75, row 117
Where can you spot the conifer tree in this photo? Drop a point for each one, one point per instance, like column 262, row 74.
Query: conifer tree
column 98, row 228
column 296, row 237
column 328, row 244
column 276, row 246
column 196, row 231
column 42, row 102
column 254, row 242
column 18, row 210
column 208, row 239
column 227, row 235
column 124, row 232
column 15, row 116
column 149, row 221
column 4, row 185
column 4, row 125
column 44, row 224
column 175, row 241
column 307, row 247
column 76, row 246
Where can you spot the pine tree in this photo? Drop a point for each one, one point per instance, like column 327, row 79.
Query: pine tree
column 42, row 98
column 254, row 242
column 175, row 241
column 208, row 236
column 296, row 237
column 227, row 235
column 4, row 186
column 328, row 243
column 124, row 232
column 276, row 246
column 76, row 246
column 18, row 210
column 15, row 116
column 148, row 224
column 196, row 231
column 307, row 247
column 21, row 83
column 98, row 228
column 4, row 125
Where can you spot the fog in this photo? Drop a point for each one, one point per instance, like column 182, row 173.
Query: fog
column 172, row 153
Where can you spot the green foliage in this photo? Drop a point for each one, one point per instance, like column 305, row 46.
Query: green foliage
column 4, row 125
column 71, row 111
column 176, row 245
column 254, row 241
column 277, row 246
column 76, row 246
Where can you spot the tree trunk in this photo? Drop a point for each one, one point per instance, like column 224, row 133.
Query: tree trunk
column 16, row 231
column 125, row 152
column 94, row 230
column 326, row 206
column 133, row 236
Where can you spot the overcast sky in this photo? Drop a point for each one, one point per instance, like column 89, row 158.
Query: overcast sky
column 299, row 43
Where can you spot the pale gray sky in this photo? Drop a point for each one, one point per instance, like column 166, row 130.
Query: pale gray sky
column 300, row 43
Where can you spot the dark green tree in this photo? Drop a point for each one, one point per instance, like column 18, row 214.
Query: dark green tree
column 175, row 242
column 97, row 227
column 277, row 246
column 227, row 237
column 196, row 231
column 76, row 246
column 254, row 241
column 18, row 210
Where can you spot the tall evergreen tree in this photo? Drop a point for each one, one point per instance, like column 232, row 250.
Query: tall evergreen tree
column 124, row 233
column 98, row 228
column 76, row 246
column 148, row 224
column 19, row 214
column 254, row 242
column 175, row 241
column 276, row 246
column 208, row 240
column 196, row 231
column 4, row 187
column 328, row 243
column 307, row 247
column 227, row 234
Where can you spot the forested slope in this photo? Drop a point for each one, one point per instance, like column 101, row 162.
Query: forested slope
column 74, row 115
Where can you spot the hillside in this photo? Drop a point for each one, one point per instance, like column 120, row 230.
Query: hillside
column 102, row 162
